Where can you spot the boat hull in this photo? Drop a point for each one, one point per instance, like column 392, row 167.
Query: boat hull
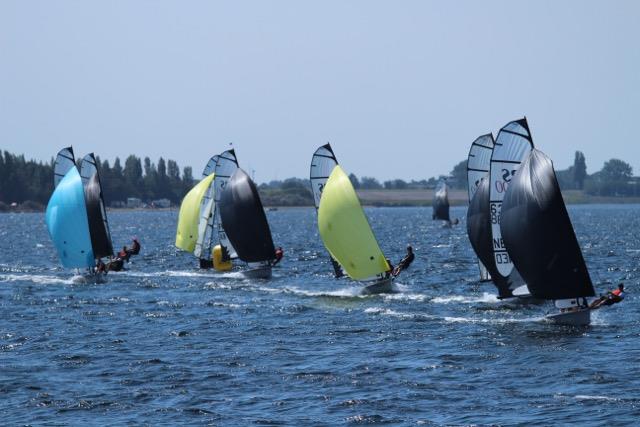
column 82, row 279
column 258, row 273
column 379, row 287
column 581, row 317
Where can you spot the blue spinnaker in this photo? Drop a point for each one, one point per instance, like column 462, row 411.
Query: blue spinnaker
column 67, row 222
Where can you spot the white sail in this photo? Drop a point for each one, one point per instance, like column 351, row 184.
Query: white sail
column 478, row 166
column 512, row 146
column 64, row 161
column 322, row 163
column 225, row 167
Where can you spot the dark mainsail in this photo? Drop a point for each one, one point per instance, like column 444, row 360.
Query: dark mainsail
column 479, row 232
column 538, row 234
column 96, row 212
column 244, row 221
column 441, row 203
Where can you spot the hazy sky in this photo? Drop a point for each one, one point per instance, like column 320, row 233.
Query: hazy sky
column 400, row 88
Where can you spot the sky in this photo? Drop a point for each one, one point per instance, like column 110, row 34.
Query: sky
column 399, row 88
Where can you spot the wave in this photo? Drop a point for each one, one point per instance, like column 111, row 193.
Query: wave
column 484, row 298
column 36, row 278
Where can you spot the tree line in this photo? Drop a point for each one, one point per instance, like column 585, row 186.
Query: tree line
column 31, row 182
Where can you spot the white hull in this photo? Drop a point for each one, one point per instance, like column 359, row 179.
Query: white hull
column 580, row 317
column 263, row 272
column 382, row 286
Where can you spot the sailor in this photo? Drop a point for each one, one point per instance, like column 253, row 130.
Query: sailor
column 124, row 254
column 279, row 255
column 135, row 247
column 405, row 262
column 611, row 297
column 115, row 264
column 100, row 267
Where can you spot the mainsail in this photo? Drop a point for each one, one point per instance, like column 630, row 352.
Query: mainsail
column 322, row 163
column 225, row 167
column 205, row 223
column 96, row 212
column 64, row 161
column 441, row 202
column 512, row 146
column 478, row 165
column 244, row 220
column 538, row 234
column 345, row 231
column 66, row 215
column 479, row 232
column 190, row 213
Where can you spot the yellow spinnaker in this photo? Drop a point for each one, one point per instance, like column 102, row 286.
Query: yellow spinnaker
column 345, row 231
column 189, row 217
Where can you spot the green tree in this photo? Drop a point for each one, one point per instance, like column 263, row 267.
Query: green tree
column 459, row 175
column 579, row 170
column 354, row 181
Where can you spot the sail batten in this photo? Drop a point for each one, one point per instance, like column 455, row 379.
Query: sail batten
column 345, row 230
column 539, row 236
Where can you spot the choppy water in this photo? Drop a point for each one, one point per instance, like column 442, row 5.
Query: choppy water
column 166, row 344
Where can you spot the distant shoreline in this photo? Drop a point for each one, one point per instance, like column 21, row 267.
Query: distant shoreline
column 384, row 198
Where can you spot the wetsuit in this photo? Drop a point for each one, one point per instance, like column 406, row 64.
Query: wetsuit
column 279, row 256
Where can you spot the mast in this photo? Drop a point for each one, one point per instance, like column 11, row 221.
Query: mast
column 512, row 145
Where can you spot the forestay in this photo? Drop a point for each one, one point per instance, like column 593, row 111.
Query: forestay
column 345, row 231
column 512, row 145
column 96, row 212
column 244, row 220
column 538, row 234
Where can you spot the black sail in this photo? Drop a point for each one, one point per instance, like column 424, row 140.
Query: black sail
column 441, row 203
column 244, row 221
column 538, row 234
column 96, row 212
column 479, row 232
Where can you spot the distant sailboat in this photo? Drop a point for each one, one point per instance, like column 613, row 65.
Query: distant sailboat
column 66, row 216
column 322, row 163
column 478, row 165
column 246, row 226
column 541, row 242
column 512, row 146
column 441, row 204
column 347, row 235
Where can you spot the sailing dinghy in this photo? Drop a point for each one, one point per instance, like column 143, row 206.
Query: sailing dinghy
column 322, row 163
column 541, row 242
column 67, row 219
column 441, row 204
column 347, row 235
column 512, row 146
column 245, row 225
column 478, row 165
